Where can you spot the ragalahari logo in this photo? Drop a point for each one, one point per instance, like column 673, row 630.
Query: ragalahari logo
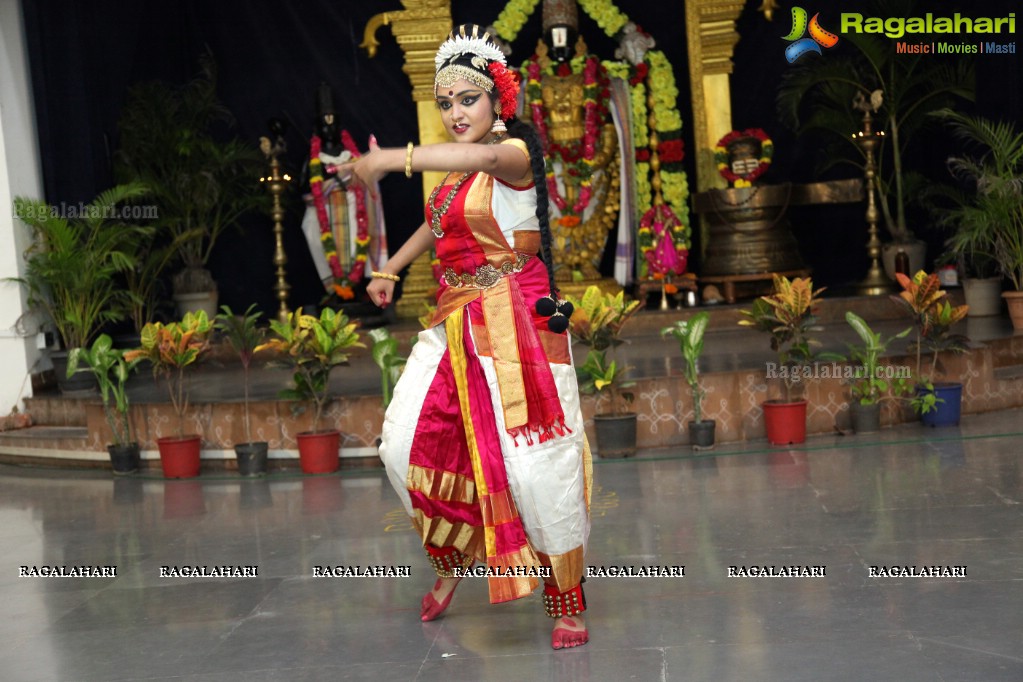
column 818, row 36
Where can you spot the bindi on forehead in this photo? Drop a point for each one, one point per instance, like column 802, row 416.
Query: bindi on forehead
column 451, row 93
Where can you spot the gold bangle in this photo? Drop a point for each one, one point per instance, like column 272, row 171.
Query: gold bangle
column 384, row 275
column 408, row 160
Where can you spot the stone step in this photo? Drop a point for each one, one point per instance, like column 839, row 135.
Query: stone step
column 53, row 409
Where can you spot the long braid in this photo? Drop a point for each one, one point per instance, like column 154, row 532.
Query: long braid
column 517, row 128
column 549, row 306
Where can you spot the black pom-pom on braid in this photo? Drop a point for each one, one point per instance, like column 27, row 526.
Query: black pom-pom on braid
column 547, row 306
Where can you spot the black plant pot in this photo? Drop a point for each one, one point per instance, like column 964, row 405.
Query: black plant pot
column 124, row 458
column 251, row 458
column 79, row 384
column 865, row 418
column 701, row 433
column 616, row 434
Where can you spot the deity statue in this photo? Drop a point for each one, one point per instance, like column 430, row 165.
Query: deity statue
column 344, row 227
column 744, row 155
column 569, row 107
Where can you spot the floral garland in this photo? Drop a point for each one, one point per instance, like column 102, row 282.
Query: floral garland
column 342, row 283
column 607, row 16
column 721, row 156
column 576, row 157
column 513, row 17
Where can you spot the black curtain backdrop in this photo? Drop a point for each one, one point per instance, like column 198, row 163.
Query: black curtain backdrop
column 272, row 56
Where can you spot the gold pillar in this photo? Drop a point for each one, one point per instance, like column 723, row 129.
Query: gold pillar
column 711, row 39
column 419, row 29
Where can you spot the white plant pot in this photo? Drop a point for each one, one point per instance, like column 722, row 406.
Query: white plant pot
column 984, row 296
column 203, row 300
column 916, row 250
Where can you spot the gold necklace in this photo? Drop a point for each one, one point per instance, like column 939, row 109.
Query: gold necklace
column 437, row 213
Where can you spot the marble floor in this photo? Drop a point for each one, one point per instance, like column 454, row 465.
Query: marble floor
column 946, row 498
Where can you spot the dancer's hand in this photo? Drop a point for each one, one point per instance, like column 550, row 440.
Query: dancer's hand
column 365, row 171
column 381, row 292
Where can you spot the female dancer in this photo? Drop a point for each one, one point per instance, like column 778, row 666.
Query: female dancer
column 483, row 440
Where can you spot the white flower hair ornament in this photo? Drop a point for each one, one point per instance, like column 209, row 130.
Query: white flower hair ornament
column 457, row 45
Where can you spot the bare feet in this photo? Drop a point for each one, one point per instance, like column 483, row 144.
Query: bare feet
column 569, row 631
column 436, row 600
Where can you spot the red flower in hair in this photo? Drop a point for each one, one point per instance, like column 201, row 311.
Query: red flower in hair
column 507, row 84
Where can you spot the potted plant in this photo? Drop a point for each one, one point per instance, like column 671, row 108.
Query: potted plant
column 787, row 315
column 988, row 219
column 385, row 355
column 71, row 270
column 816, row 95
column 112, row 370
column 314, row 346
column 869, row 387
column 597, row 322
column 244, row 336
column 690, row 338
column 201, row 183
column 172, row 348
column 922, row 298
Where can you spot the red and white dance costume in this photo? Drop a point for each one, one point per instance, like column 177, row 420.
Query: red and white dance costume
column 483, row 440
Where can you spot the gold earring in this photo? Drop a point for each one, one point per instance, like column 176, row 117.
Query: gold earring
column 498, row 128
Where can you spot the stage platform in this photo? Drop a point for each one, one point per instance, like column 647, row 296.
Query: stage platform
column 72, row 431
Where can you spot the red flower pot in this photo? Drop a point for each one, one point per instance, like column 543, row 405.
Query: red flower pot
column 319, row 451
column 786, row 422
column 179, row 457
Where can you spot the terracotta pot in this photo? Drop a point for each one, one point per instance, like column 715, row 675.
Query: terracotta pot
column 785, row 422
column 179, row 457
column 1014, row 299
column 319, row 451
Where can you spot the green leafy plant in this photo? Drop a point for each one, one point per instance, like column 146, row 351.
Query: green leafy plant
column 244, row 336
column 201, row 184
column 597, row 322
column 817, row 96
column 72, row 265
column 385, row 354
column 689, row 334
column 314, row 347
column 869, row 387
column 787, row 316
column 112, row 371
column 598, row 318
column 988, row 220
column 171, row 348
column 923, row 299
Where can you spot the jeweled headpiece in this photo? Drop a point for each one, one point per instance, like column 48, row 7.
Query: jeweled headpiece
column 469, row 54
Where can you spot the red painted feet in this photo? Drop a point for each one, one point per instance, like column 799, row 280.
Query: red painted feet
column 569, row 631
column 443, row 590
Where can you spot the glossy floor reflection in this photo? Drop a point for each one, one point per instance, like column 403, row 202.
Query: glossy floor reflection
column 906, row 497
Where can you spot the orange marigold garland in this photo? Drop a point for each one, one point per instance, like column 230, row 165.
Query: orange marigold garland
column 343, row 284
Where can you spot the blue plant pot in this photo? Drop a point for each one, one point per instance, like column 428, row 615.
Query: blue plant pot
column 949, row 407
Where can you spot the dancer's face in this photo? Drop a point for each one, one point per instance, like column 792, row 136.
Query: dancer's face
column 466, row 111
